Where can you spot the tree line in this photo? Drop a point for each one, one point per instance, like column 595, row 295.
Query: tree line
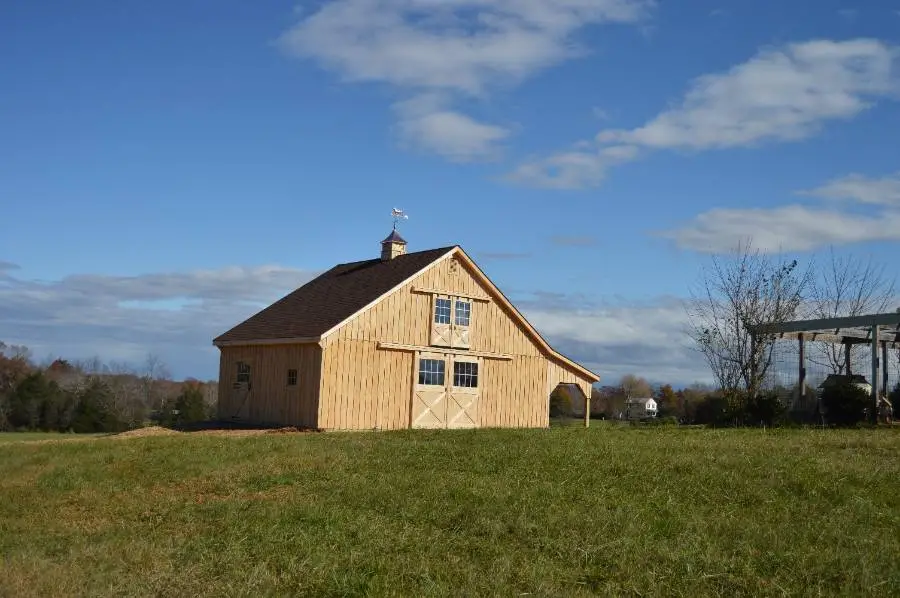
column 92, row 396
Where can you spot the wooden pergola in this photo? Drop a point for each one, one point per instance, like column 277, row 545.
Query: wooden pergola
column 880, row 331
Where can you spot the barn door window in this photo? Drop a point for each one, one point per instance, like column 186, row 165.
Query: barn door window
column 465, row 374
column 463, row 312
column 431, row 372
column 292, row 377
column 442, row 311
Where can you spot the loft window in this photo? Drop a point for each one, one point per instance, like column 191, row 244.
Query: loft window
column 292, row 378
column 431, row 372
column 465, row 374
column 463, row 312
column 243, row 372
column 442, row 311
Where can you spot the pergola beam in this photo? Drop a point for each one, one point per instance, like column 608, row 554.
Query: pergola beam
column 841, row 339
column 889, row 319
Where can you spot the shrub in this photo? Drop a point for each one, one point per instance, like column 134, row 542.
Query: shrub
column 844, row 404
column 187, row 408
column 714, row 410
column 94, row 410
column 765, row 409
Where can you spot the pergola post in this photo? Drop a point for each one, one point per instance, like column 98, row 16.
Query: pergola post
column 885, row 372
column 847, row 359
column 802, row 369
column 875, row 385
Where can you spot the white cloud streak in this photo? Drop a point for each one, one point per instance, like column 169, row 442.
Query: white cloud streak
column 450, row 49
column 647, row 339
column 884, row 191
column 786, row 228
column 780, row 95
column 122, row 318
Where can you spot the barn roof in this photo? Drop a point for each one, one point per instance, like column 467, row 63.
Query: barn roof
column 331, row 298
column 323, row 304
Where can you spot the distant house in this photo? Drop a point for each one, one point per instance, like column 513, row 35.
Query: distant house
column 407, row 340
column 640, row 408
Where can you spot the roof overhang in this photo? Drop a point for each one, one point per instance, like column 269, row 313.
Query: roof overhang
column 272, row 341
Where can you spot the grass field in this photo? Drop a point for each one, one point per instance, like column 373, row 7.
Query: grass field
column 559, row 512
column 25, row 436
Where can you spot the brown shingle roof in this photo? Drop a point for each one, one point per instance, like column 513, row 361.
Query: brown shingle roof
column 329, row 299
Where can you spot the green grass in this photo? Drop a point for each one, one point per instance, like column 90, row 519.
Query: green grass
column 559, row 512
column 29, row 436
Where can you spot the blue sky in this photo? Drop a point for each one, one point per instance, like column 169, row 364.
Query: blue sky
column 169, row 167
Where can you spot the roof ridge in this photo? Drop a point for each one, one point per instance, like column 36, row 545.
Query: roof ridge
column 402, row 255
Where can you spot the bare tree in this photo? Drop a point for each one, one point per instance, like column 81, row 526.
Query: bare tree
column 635, row 387
column 738, row 292
column 155, row 370
column 848, row 286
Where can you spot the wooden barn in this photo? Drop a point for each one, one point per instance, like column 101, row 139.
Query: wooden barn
column 407, row 340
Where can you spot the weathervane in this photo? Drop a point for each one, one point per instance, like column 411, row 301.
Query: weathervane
column 398, row 215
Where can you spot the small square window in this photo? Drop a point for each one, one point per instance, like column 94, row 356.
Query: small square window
column 465, row 374
column 292, row 378
column 442, row 311
column 431, row 372
column 463, row 312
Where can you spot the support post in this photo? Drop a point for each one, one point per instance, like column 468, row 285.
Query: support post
column 587, row 411
column 802, row 392
column 885, row 371
column 874, row 381
column 847, row 360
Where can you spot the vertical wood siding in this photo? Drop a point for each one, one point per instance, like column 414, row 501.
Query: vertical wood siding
column 364, row 387
column 271, row 400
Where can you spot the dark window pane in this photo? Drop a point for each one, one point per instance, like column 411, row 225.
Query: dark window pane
column 465, row 374
column 431, row 372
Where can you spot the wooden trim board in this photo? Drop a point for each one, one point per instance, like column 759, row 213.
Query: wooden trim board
column 402, row 347
column 430, row 291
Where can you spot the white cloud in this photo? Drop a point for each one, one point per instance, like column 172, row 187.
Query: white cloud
column 571, row 170
column 454, row 48
column 648, row 339
column 779, row 95
column 121, row 318
column 786, row 228
column 884, row 191
column 425, row 124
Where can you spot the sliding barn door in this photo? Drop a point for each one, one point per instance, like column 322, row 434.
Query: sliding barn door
column 463, row 392
column 446, row 393
column 429, row 404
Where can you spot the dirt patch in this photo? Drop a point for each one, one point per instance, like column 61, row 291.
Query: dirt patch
column 249, row 432
column 148, row 431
